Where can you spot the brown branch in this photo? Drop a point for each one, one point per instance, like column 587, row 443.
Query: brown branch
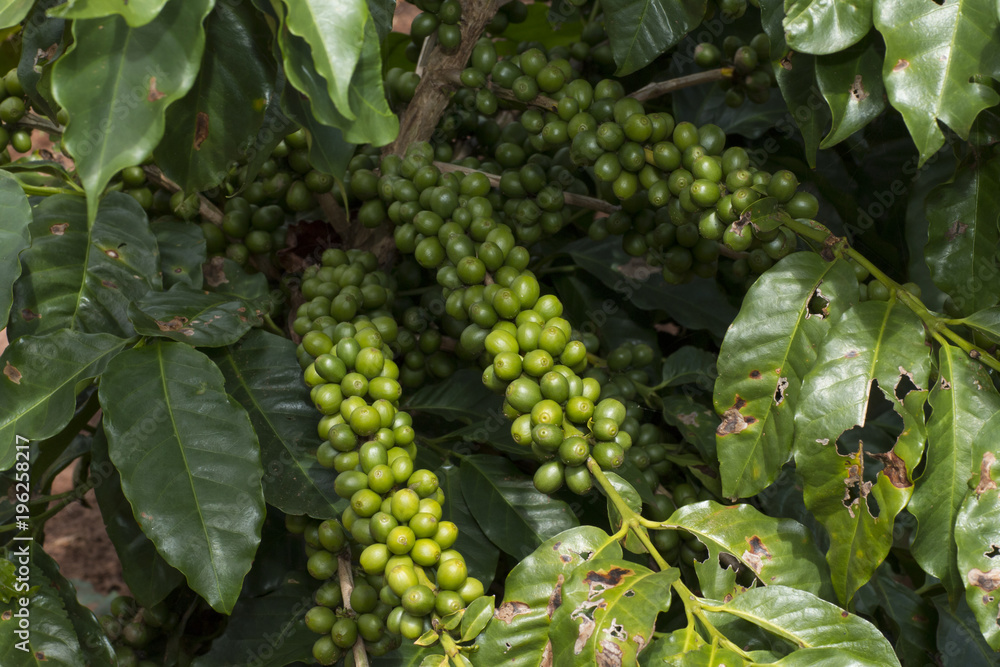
column 206, row 209
column 670, row 85
column 346, row 588
column 540, row 101
column 571, row 198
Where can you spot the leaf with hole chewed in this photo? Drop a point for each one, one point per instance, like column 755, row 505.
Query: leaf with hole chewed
column 80, row 277
column 934, row 55
column 873, row 342
column 510, row 510
column 851, row 83
column 767, row 351
column 135, row 12
column 481, row 556
column 38, row 385
column 193, row 316
column 224, row 110
column 977, row 537
column 14, row 237
column 963, row 236
column 608, row 612
column 263, row 375
column 173, row 432
column 824, row 633
column 641, row 30
column 961, row 401
column 777, row 551
column 518, row 635
column 821, row 26
column 117, row 111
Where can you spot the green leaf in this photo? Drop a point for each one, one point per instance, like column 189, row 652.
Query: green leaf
column 477, row 615
column 986, row 322
column 518, row 636
column 634, row 502
column 117, row 110
column 224, row 276
column 40, row 376
column 13, row 12
column 961, row 401
column 174, row 434
column 510, row 510
column 764, row 356
column 136, row 13
column 696, row 422
column 41, row 44
column 851, row 83
column 263, row 375
column 640, row 30
column 267, row 630
column 608, row 612
column 328, row 151
column 689, row 365
column 382, row 12
column 182, row 252
column 192, row 316
column 780, row 552
column 875, row 341
column 150, row 578
column 14, row 237
column 481, row 556
column 84, row 278
column 932, row 57
column 224, row 110
column 912, row 617
column 460, row 397
column 820, row 26
column 959, row 633
column 824, row 633
column 963, row 236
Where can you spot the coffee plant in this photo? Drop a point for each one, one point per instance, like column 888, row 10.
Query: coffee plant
column 591, row 332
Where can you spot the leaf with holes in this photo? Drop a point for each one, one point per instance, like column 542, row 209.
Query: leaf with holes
column 174, row 433
column 823, row 632
column 510, row 510
column 641, row 30
column 224, row 110
column 263, row 376
column 777, row 551
column 192, row 316
column 963, row 236
column 765, row 354
column 136, row 12
column 961, row 401
column 40, row 376
column 14, row 237
column 182, row 252
column 608, row 612
column 851, row 83
column 481, row 556
column 84, row 278
column 934, row 54
column 873, row 342
column 118, row 110
column 821, row 26
column 518, row 635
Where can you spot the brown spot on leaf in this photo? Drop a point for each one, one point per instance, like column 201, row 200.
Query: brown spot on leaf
column 7, row 615
column 547, row 655
column 854, row 483
column 59, row 228
column 610, row 655
column 27, row 315
column 786, row 62
column 555, row 600
column 40, row 656
column 945, row 385
column 215, row 272
column 174, row 324
column 44, row 56
column 112, row 253
column 986, row 482
column 732, row 422
column 606, row 578
column 154, row 93
column 987, row 581
column 844, row 614
column 755, row 374
column 858, row 92
column 901, row 65
column 851, row 354
column 509, row 610
column 201, row 130
column 756, row 554
column 688, row 419
column 779, row 391
column 12, row 373
column 109, row 284
column 894, row 468
column 955, row 229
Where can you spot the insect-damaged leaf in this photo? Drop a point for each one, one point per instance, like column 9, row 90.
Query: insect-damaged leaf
column 765, row 354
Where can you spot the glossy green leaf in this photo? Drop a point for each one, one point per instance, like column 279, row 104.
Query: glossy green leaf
column 875, row 341
column 696, row 422
column 263, row 376
column 13, row 12
column 851, row 83
column 765, row 354
column 820, row 26
column 150, row 578
column 461, row 397
column 932, row 56
column 328, row 151
column 640, row 30
column 40, row 376
column 173, row 432
column 41, row 44
column 824, row 633
column 14, row 237
column 481, row 556
column 634, row 502
column 182, row 252
column 689, row 650
column 117, row 109
column 267, row 630
column 84, row 278
column 958, row 633
column 608, row 612
column 963, row 236
column 913, row 618
column 518, row 635
column 224, row 110
column 778, row 551
column 192, row 316
column 986, row 322
column 224, row 276
column 513, row 514
column 135, row 12
column 476, row 617
column 689, row 365
column 961, row 401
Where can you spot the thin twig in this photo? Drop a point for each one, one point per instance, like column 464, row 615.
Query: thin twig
column 207, row 209
column 346, row 588
column 540, row 101
column 670, row 85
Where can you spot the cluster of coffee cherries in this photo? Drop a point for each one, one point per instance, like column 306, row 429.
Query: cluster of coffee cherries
column 131, row 629
column 752, row 77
